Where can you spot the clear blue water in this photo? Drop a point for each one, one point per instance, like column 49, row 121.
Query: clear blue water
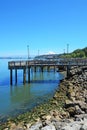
column 21, row 98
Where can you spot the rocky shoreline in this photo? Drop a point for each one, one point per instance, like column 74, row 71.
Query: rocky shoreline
column 67, row 110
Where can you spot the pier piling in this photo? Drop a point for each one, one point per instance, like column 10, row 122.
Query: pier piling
column 24, row 75
column 11, row 76
column 29, row 75
column 15, row 76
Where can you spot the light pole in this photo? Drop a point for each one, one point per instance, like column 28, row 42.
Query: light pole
column 38, row 52
column 67, row 48
column 28, row 50
column 64, row 51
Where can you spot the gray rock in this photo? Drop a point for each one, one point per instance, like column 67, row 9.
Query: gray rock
column 84, row 126
column 71, row 127
column 81, row 116
column 78, row 110
column 37, row 126
column 49, row 127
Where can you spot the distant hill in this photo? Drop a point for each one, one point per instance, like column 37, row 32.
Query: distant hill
column 79, row 53
column 47, row 57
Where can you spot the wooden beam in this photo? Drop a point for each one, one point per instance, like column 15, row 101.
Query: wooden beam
column 29, row 75
column 24, row 75
column 11, row 76
column 15, row 76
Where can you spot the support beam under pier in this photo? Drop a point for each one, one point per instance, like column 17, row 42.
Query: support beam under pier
column 42, row 69
column 11, row 76
column 24, row 75
column 29, row 75
column 15, row 76
column 68, row 71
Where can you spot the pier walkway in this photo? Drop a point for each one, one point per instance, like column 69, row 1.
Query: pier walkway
column 55, row 63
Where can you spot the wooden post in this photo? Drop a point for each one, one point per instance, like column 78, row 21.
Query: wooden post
column 54, row 68
column 15, row 76
column 29, row 75
column 68, row 71
column 35, row 69
column 11, row 76
column 48, row 68
column 42, row 69
column 24, row 75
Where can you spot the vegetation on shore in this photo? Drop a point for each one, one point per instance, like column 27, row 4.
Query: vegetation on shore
column 79, row 53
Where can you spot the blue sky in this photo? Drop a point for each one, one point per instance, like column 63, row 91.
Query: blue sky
column 44, row 25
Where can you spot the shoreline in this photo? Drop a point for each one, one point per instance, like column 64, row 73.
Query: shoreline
column 67, row 105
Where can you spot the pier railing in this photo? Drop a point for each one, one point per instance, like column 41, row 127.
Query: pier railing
column 70, row 61
column 22, row 64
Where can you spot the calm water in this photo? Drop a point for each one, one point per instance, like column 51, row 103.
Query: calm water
column 21, row 98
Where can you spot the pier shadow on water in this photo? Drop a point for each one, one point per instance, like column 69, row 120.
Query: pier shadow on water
column 44, row 81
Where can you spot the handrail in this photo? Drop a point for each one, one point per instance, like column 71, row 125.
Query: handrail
column 46, row 62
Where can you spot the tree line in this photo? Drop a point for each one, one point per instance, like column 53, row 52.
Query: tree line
column 79, row 53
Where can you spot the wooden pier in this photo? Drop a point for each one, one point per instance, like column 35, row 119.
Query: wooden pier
column 27, row 65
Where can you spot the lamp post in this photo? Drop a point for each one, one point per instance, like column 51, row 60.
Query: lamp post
column 38, row 52
column 28, row 50
column 67, row 48
column 64, row 51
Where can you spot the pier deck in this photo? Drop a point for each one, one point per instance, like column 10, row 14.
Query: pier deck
column 62, row 63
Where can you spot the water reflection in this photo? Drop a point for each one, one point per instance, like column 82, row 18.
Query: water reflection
column 42, row 85
column 21, row 98
column 18, row 94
